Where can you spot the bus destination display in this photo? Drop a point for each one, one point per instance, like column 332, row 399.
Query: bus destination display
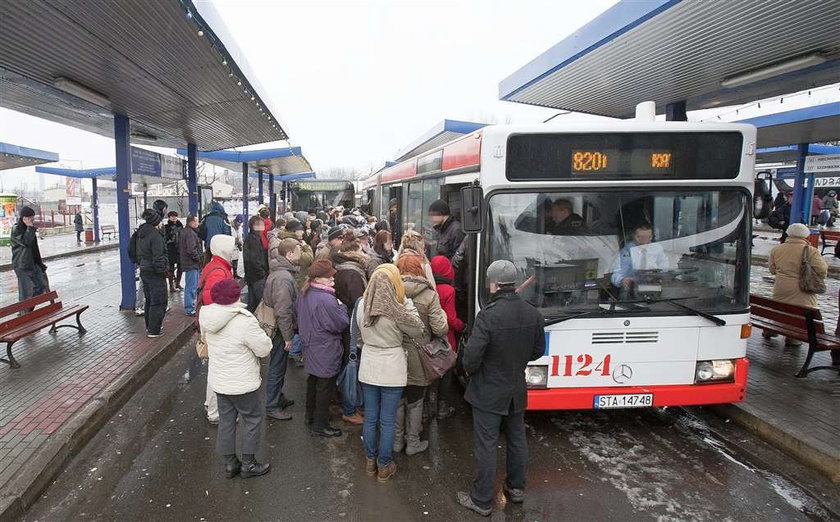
column 640, row 161
column 623, row 155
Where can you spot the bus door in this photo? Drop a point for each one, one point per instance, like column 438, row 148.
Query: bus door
column 395, row 209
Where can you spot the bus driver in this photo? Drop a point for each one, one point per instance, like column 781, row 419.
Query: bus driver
column 638, row 254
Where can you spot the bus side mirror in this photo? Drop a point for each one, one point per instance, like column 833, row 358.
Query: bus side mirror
column 472, row 209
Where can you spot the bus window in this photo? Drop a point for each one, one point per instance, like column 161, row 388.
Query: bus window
column 431, row 193
column 414, row 208
column 607, row 247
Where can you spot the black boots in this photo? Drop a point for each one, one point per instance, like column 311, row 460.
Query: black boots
column 326, row 431
column 252, row 468
column 232, row 466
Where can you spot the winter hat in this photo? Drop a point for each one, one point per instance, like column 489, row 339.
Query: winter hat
column 798, row 230
column 439, row 208
column 225, row 292
column 322, row 215
column 382, row 225
column 315, row 224
column 293, row 225
column 223, row 245
column 27, row 212
column 335, row 233
column 321, row 268
column 501, row 272
column 151, row 216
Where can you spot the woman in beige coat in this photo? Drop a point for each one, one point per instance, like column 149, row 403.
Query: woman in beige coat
column 785, row 264
column 410, row 413
column 383, row 316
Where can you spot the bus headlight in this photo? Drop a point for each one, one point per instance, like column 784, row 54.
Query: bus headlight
column 714, row 371
column 536, row 376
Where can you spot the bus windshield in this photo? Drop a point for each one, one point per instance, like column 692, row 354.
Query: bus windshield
column 629, row 251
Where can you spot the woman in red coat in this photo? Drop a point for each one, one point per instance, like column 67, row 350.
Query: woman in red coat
column 444, row 273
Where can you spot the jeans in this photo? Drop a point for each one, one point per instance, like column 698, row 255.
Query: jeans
column 190, row 289
column 155, row 295
column 486, row 428
column 296, row 346
column 381, row 403
column 248, row 407
column 277, row 364
column 30, row 282
column 319, row 391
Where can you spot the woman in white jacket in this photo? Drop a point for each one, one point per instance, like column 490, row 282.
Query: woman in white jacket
column 235, row 342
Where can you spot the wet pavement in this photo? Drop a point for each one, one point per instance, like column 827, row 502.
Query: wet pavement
column 57, row 245
column 155, row 460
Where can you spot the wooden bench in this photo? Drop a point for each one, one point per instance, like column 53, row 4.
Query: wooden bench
column 796, row 322
column 109, row 230
column 826, row 236
column 34, row 317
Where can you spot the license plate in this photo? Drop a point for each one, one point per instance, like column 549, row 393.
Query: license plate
column 630, row 400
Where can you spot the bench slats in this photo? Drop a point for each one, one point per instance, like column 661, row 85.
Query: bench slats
column 31, row 327
column 764, row 302
column 30, row 317
column 26, row 304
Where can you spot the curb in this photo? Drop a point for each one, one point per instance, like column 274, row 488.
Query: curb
column 48, row 462
column 826, row 463
column 72, row 253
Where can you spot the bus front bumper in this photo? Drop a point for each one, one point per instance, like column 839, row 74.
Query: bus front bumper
column 663, row 395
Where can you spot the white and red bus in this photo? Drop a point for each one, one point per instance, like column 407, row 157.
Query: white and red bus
column 631, row 237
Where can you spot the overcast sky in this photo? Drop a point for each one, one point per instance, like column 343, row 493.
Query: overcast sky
column 355, row 81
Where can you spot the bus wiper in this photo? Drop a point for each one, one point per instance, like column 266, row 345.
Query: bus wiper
column 717, row 320
column 555, row 318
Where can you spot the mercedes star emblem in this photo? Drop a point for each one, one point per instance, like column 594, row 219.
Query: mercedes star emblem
column 622, row 374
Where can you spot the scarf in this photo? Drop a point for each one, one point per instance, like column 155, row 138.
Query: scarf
column 385, row 296
column 319, row 286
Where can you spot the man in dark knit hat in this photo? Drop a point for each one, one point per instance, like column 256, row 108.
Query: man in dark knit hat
column 334, row 237
column 147, row 249
column 26, row 257
column 451, row 235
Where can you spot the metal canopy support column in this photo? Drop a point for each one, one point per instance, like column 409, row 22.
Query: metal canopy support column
column 260, row 190
column 123, row 156
column 272, row 198
column 192, row 178
column 798, row 212
column 676, row 111
column 245, row 196
column 94, row 206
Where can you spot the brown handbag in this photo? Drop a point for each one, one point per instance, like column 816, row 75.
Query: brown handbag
column 436, row 357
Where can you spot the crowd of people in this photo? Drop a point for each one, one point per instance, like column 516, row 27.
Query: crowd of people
column 322, row 289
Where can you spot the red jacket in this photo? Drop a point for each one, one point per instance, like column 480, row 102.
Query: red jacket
column 264, row 235
column 213, row 272
column 443, row 271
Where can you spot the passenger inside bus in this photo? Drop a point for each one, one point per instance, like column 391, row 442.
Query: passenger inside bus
column 562, row 220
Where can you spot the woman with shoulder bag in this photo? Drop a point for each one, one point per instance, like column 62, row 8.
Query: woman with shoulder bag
column 410, row 413
column 383, row 316
column 786, row 263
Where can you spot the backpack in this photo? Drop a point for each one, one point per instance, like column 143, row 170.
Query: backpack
column 776, row 219
column 132, row 248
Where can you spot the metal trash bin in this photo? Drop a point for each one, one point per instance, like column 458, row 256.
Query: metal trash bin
column 88, row 235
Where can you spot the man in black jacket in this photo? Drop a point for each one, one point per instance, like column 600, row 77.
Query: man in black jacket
column 255, row 258
column 190, row 255
column 508, row 333
column 26, row 257
column 451, row 235
column 148, row 250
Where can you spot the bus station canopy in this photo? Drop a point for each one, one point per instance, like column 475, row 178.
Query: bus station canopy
column 790, row 153
column 104, row 172
column 169, row 66
column 705, row 53
column 281, row 161
column 817, row 124
column 286, row 177
column 13, row 156
column 443, row 132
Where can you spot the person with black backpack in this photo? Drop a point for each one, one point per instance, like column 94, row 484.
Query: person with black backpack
column 147, row 249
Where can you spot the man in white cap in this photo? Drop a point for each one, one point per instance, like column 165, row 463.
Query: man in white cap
column 508, row 333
